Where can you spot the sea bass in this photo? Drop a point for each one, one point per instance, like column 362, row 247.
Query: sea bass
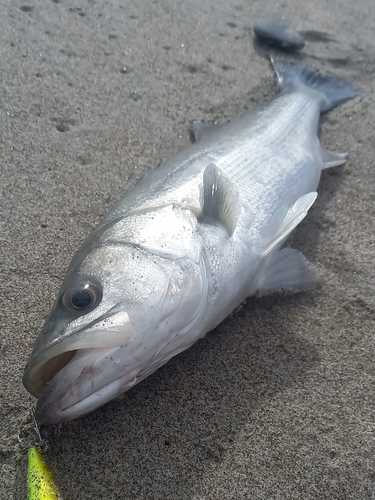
column 184, row 247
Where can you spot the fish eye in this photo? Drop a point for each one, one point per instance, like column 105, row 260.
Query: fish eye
column 82, row 298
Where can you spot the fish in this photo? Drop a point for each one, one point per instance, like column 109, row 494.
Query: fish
column 185, row 246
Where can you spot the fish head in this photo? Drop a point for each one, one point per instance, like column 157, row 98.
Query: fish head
column 121, row 313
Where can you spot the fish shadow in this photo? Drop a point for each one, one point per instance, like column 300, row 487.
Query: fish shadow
column 161, row 439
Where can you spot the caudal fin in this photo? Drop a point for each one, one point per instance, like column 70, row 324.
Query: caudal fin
column 334, row 90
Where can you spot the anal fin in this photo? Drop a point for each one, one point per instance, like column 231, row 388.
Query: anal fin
column 332, row 159
column 296, row 213
column 288, row 269
column 221, row 203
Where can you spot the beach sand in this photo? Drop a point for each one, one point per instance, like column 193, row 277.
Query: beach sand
column 279, row 401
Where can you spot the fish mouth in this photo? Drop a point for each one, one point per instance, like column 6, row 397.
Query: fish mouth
column 75, row 383
column 55, row 372
column 37, row 376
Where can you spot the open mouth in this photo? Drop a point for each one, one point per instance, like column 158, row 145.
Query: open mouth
column 37, row 377
column 74, row 383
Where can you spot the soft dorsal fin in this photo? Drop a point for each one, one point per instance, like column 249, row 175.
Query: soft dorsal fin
column 296, row 213
column 199, row 129
column 221, row 202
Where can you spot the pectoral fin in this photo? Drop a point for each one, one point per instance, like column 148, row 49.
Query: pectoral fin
column 294, row 216
column 221, row 203
column 290, row 270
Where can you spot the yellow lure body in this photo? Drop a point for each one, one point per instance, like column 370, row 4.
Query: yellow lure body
column 40, row 482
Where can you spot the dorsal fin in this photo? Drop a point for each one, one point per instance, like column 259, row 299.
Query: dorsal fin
column 199, row 129
column 221, row 202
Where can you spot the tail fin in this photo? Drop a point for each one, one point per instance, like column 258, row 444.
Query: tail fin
column 333, row 89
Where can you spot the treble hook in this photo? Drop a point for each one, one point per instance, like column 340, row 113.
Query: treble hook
column 36, row 428
column 41, row 442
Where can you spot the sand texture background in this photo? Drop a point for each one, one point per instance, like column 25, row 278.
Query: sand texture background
column 277, row 402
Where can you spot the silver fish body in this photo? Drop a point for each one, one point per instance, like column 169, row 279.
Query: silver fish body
column 184, row 247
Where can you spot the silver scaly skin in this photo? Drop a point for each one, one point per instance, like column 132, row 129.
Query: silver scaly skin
column 184, row 247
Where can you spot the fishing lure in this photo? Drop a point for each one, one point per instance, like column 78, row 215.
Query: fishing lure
column 40, row 482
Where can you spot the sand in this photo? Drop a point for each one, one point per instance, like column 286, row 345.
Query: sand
column 278, row 401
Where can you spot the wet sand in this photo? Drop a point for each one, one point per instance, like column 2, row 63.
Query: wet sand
column 278, row 401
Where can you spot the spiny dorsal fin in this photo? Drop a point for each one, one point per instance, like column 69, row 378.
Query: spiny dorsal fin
column 296, row 213
column 221, row 203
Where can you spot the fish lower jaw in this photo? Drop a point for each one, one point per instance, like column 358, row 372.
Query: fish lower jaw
column 50, row 413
